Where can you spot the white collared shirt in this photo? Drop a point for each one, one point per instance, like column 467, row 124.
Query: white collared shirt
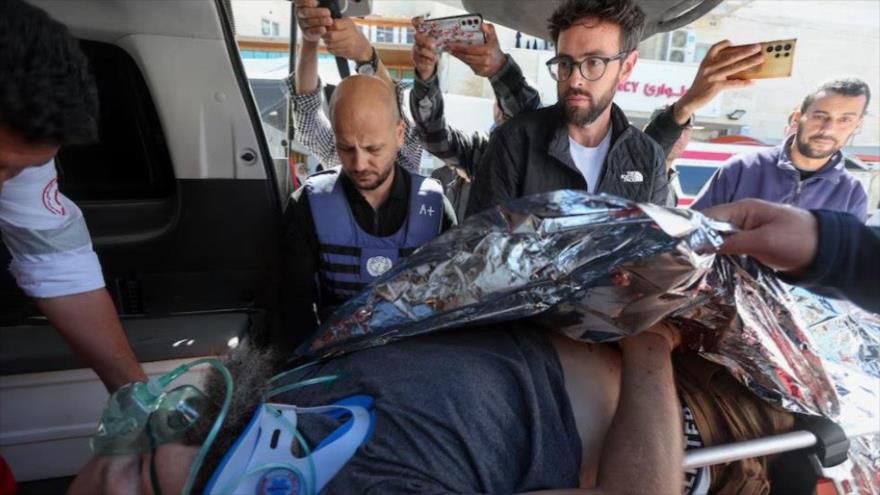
column 47, row 236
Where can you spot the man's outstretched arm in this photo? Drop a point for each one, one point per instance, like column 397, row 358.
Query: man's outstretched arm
column 53, row 262
column 722, row 60
column 825, row 251
column 512, row 92
column 90, row 326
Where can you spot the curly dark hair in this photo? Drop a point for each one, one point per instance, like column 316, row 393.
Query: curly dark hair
column 47, row 91
column 848, row 86
column 624, row 13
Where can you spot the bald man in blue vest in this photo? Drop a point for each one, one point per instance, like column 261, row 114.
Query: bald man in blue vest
column 348, row 225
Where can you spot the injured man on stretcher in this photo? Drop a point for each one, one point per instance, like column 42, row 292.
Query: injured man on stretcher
column 506, row 408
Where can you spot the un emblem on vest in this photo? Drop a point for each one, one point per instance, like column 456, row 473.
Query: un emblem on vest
column 377, row 265
column 279, row 481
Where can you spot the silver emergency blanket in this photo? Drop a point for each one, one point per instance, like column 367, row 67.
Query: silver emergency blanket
column 599, row 268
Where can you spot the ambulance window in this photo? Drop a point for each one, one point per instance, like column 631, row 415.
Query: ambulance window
column 131, row 159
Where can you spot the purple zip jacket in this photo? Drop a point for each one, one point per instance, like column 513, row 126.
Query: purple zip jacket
column 770, row 175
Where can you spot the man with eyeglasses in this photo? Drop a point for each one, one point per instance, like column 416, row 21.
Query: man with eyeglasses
column 584, row 141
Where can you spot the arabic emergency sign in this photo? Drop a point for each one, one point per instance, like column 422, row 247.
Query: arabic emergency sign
column 654, row 84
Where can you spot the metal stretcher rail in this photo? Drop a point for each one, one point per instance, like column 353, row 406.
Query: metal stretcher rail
column 776, row 444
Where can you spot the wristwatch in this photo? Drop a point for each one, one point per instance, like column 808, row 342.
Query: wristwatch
column 369, row 68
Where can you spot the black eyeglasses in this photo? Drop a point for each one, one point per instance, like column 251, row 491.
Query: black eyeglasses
column 592, row 68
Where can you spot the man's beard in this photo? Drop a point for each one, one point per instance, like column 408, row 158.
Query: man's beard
column 804, row 147
column 375, row 183
column 583, row 117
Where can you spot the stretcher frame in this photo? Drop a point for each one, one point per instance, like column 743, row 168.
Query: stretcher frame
column 776, row 444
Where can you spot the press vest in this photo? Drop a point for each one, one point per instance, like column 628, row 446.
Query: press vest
column 349, row 257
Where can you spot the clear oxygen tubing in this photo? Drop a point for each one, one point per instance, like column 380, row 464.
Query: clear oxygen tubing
column 292, row 371
column 215, row 429
column 301, row 384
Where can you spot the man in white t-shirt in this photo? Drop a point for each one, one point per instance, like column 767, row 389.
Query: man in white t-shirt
column 584, row 141
column 48, row 99
column 589, row 161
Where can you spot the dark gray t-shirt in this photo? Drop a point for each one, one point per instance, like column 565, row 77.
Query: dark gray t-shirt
column 474, row 411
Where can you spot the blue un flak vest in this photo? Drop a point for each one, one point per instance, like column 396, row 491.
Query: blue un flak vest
column 350, row 258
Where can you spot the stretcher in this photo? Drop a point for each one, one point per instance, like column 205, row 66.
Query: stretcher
column 818, row 437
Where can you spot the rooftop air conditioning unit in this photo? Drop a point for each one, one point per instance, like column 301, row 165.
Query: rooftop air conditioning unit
column 681, row 45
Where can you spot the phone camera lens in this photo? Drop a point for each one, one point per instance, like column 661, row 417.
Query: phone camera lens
column 778, row 48
column 788, row 47
column 769, row 49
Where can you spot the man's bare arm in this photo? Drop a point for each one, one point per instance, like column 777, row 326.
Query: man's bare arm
column 90, row 326
column 643, row 451
column 307, row 68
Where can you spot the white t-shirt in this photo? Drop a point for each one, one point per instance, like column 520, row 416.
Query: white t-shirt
column 46, row 234
column 590, row 160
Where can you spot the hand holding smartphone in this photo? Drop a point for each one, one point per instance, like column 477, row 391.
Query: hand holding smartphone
column 463, row 29
column 778, row 61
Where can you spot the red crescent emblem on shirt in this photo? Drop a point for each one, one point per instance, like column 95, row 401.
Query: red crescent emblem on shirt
column 52, row 198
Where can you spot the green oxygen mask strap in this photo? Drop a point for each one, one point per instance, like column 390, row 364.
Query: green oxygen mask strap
column 292, row 371
column 154, row 472
column 300, row 384
column 215, row 429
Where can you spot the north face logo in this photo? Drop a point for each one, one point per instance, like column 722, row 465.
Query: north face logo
column 632, row 176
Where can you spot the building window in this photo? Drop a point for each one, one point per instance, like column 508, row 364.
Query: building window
column 265, row 27
column 676, row 56
column 410, row 36
column 679, row 39
column 276, row 29
column 654, row 48
column 384, row 34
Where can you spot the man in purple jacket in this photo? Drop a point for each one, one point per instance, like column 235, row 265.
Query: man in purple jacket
column 807, row 170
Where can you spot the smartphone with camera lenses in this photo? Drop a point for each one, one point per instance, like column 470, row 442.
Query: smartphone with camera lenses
column 778, row 61
column 461, row 29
